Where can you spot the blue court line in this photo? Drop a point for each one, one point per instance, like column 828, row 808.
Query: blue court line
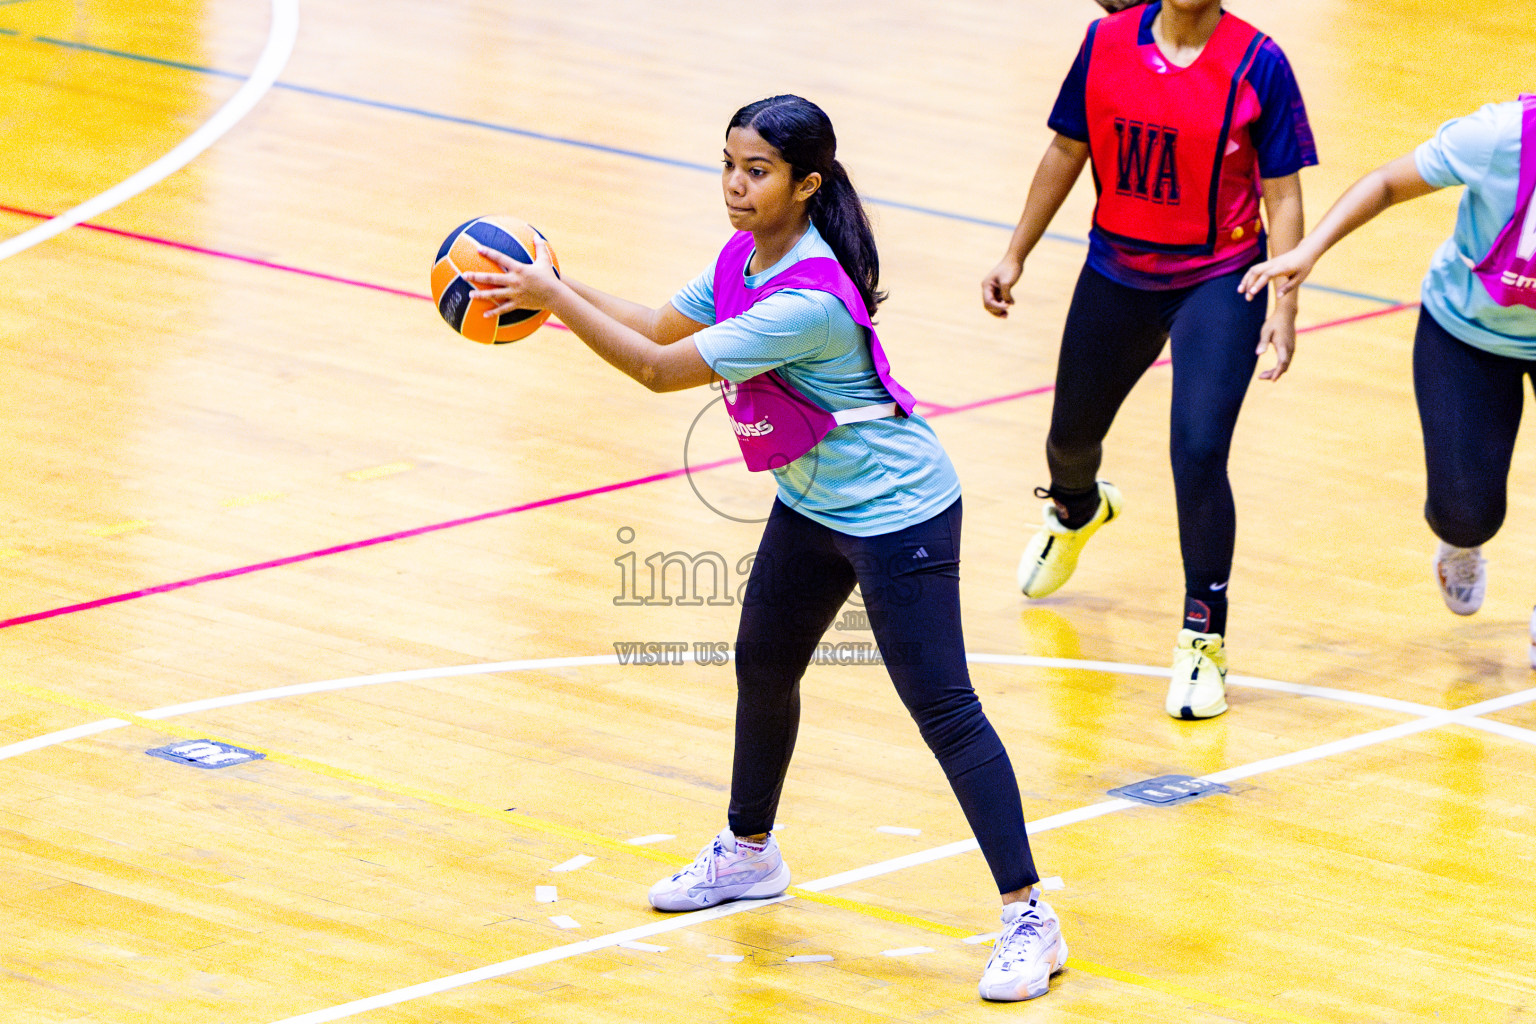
column 565, row 140
column 1345, row 292
column 70, row 44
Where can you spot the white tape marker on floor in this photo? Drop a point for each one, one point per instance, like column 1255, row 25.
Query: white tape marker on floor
column 885, row 867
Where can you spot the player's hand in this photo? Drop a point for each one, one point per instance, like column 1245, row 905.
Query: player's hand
column 519, row 285
column 1286, row 271
column 997, row 287
column 1279, row 333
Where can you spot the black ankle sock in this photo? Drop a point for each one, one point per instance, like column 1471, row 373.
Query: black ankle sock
column 1080, row 505
column 1207, row 614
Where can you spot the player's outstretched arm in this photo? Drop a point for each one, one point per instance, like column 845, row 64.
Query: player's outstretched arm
column 1386, row 186
column 659, row 365
column 663, row 325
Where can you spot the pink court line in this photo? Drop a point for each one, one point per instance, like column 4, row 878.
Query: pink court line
column 945, row 410
column 929, row 409
column 251, row 260
column 358, row 545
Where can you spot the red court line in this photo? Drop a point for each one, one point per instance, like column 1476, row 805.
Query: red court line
column 388, row 538
column 220, row 254
column 945, row 410
column 236, row 257
column 1359, row 316
column 309, row 556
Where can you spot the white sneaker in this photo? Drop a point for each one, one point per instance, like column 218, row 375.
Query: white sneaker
column 1463, row 577
column 1197, row 687
column 1025, row 956
column 724, row 871
column 1533, row 638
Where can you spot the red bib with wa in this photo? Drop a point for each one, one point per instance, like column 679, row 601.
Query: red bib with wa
column 1174, row 171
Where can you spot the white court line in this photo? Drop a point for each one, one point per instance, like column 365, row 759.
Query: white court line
column 912, row 860
column 522, row 963
column 1513, row 732
column 300, row 690
column 408, row 676
column 533, row 664
column 1253, row 682
column 1425, row 718
column 62, row 736
column 887, row 867
column 281, row 36
column 1462, row 716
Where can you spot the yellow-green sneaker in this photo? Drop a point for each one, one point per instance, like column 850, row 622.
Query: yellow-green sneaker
column 1052, row 552
column 1198, row 688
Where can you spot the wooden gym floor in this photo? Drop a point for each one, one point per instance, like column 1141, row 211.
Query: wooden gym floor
column 256, row 492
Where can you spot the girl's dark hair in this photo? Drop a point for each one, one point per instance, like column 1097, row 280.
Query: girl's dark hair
column 802, row 133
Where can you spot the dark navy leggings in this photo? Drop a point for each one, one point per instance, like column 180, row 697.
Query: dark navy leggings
column 1469, row 406
column 1113, row 334
column 910, row 583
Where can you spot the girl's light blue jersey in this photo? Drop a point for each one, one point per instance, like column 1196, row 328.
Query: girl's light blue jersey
column 1482, row 152
column 863, row 479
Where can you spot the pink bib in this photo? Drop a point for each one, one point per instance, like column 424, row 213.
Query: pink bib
column 774, row 423
column 1509, row 269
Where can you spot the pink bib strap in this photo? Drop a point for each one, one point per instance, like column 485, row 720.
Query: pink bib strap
column 1509, row 269
column 774, row 423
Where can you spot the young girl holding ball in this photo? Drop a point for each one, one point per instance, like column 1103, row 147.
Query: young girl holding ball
column 866, row 497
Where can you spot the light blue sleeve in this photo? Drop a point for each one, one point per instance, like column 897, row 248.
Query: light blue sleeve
column 696, row 299
column 1462, row 149
column 787, row 327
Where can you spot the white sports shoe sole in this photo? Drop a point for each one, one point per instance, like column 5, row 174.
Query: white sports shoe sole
column 1026, row 988
column 664, row 898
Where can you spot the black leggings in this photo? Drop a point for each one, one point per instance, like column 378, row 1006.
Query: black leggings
column 910, row 582
column 1469, row 407
column 1113, row 334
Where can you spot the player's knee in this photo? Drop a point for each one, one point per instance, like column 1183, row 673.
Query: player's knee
column 1464, row 523
column 1199, row 458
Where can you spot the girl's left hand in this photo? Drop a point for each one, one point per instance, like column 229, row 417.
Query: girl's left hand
column 1279, row 332
column 519, row 285
column 1287, row 271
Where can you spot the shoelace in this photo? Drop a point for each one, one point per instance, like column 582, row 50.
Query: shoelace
column 1026, row 924
column 705, row 862
column 710, row 861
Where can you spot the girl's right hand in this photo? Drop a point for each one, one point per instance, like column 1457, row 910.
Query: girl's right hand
column 519, row 285
column 1287, row 271
column 997, row 287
